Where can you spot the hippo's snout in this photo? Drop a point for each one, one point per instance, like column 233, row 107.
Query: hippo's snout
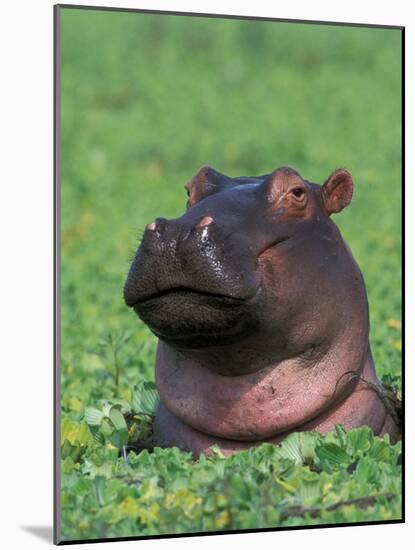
column 177, row 255
column 191, row 278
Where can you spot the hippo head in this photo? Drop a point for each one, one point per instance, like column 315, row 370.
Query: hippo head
column 253, row 260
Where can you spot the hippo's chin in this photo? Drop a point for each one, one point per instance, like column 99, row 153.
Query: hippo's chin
column 190, row 319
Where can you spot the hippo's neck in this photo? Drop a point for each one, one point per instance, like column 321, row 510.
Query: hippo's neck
column 207, row 412
column 261, row 404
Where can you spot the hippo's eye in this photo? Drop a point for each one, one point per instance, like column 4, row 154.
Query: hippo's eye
column 187, row 191
column 298, row 192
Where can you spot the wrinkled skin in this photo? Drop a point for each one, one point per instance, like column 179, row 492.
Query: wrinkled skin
column 261, row 314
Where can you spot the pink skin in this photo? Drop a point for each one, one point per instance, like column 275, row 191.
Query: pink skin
column 257, row 405
column 226, row 415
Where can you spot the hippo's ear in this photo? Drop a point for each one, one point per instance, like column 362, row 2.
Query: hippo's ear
column 206, row 182
column 337, row 191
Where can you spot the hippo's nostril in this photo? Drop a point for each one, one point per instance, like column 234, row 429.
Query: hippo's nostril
column 159, row 226
column 206, row 220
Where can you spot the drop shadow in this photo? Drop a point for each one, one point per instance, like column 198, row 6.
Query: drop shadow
column 44, row 532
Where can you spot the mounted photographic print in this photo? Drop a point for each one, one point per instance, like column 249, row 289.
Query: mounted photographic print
column 228, row 274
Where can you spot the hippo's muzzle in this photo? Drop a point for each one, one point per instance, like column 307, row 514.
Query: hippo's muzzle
column 191, row 282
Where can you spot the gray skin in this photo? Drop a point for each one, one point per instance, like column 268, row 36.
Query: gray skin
column 261, row 314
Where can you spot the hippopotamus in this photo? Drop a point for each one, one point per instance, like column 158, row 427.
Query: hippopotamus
column 261, row 314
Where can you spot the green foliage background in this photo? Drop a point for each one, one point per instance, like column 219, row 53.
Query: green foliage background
column 146, row 100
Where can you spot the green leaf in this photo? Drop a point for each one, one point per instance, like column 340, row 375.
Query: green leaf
column 299, row 446
column 331, row 455
column 216, row 452
column 366, row 471
column 359, row 440
column 380, row 450
column 145, row 398
column 117, row 418
column 119, row 438
column 309, row 492
column 77, row 433
column 123, row 405
column 107, row 408
column 107, row 427
column 291, row 449
column 99, row 484
column 341, row 435
column 69, row 451
column 97, row 435
column 93, row 417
